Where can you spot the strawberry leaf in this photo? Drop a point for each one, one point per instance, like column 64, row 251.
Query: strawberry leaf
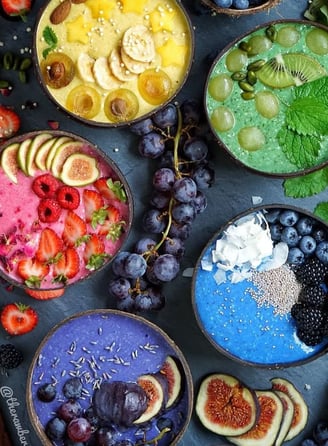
column 301, row 150
column 321, row 211
column 307, row 185
column 308, row 116
column 118, row 189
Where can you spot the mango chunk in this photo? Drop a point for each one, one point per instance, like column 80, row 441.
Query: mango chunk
column 172, row 53
column 101, row 8
column 162, row 19
column 78, row 30
column 136, row 6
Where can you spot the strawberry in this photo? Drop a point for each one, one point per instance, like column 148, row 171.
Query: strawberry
column 111, row 190
column 16, row 8
column 18, row 319
column 67, row 266
column 50, row 247
column 112, row 227
column 45, row 294
column 75, row 229
column 9, row 122
column 94, row 252
column 32, row 271
column 94, row 207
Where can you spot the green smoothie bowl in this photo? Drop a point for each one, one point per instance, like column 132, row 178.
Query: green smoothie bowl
column 266, row 98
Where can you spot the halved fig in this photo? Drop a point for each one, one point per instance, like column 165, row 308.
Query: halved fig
column 287, row 419
column 170, row 370
column 226, row 406
column 266, row 429
column 155, row 397
column 301, row 411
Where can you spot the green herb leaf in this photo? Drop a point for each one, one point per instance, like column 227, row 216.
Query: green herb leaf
column 301, row 150
column 321, row 211
column 307, row 185
column 49, row 36
column 308, row 116
column 118, row 189
column 317, row 11
column 314, row 89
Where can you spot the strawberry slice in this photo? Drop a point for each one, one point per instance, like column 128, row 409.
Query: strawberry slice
column 75, row 229
column 111, row 190
column 18, row 319
column 32, row 271
column 94, row 207
column 16, row 8
column 94, row 252
column 44, row 294
column 9, row 122
column 112, row 227
column 50, row 247
column 67, row 266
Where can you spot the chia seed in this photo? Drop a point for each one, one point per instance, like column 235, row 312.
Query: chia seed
column 277, row 287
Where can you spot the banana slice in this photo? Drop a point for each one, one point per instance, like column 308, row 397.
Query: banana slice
column 133, row 65
column 103, row 75
column 118, row 68
column 138, row 43
column 84, row 67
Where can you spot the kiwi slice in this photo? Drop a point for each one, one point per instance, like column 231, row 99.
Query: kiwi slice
column 290, row 69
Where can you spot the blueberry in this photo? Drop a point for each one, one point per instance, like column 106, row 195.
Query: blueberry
column 304, row 225
column 55, row 429
column 290, row 236
column 307, row 244
column 320, row 432
column 288, row 218
column 275, row 231
column 72, row 388
column 319, row 234
column 295, row 256
column 272, row 216
column 322, row 252
column 46, row 392
column 241, row 4
column 223, row 3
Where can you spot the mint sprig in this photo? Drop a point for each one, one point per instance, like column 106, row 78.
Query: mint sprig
column 51, row 40
column 307, row 185
column 321, row 211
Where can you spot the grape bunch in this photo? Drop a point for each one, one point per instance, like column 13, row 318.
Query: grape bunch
column 177, row 138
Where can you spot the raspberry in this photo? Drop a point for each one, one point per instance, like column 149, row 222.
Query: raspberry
column 312, row 272
column 314, row 296
column 45, row 186
column 10, row 356
column 49, row 210
column 68, row 197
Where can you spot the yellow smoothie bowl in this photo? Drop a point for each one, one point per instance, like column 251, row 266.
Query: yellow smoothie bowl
column 110, row 63
column 65, row 211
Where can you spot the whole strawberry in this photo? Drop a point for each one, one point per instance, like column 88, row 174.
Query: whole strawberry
column 16, row 8
column 18, row 319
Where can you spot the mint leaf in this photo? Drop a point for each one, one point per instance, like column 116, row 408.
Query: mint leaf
column 314, row 89
column 308, row 116
column 301, row 150
column 307, row 185
column 321, row 211
column 49, row 36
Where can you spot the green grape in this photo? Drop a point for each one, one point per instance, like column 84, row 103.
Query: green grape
column 317, row 41
column 220, row 87
column 287, row 36
column 258, row 44
column 222, row 119
column 236, row 60
column 251, row 138
column 267, row 104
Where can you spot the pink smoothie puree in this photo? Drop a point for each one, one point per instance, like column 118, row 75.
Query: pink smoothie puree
column 20, row 227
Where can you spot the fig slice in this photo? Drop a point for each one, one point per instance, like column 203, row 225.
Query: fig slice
column 155, row 397
column 226, row 406
column 170, row 369
column 287, row 417
column 300, row 415
column 266, row 429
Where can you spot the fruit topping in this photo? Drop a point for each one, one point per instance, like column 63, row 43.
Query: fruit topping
column 50, row 247
column 111, row 190
column 44, row 294
column 94, row 254
column 49, row 210
column 79, row 170
column 18, row 319
column 9, row 161
column 170, row 370
column 84, row 101
column 121, row 403
column 300, row 416
column 68, row 197
column 9, row 122
column 74, row 230
column 155, row 397
column 94, row 207
column 58, row 70
column 45, row 186
column 79, row 430
column 72, row 388
column 61, row 154
column 226, row 406
column 32, row 271
column 85, row 67
column 138, row 43
column 111, row 226
column 121, row 105
column 287, row 418
column 67, row 266
column 155, row 86
column 16, row 8
column 47, row 392
column 10, row 356
column 36, row 143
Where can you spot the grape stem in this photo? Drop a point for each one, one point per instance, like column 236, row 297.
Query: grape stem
column 156, row 439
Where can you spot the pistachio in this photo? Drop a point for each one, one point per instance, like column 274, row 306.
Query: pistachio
column 251, row 77
column 256, row 65
column 245, row 86
column 271, row 33
column 238, row 76
column 244, row 46
column 8, row 60
column 248, row 95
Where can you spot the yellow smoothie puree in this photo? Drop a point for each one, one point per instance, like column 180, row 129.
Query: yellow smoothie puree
column 129, row 56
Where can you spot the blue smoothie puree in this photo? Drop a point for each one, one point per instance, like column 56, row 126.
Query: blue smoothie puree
column 234, row 321
column 99, row 347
